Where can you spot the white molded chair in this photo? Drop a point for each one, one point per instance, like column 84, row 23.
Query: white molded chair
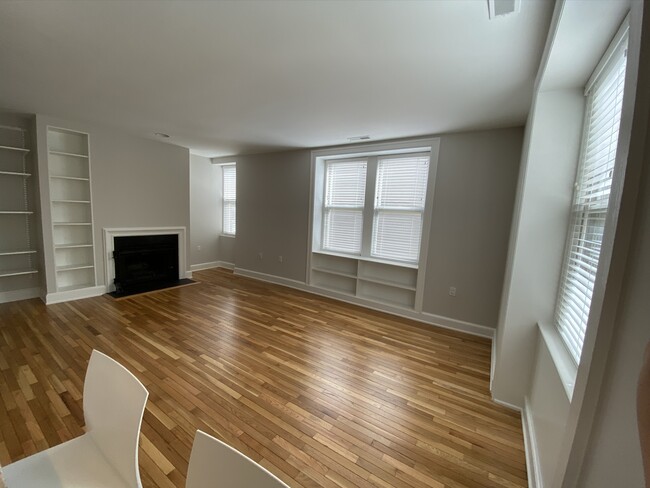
column 106, row 456
column 216, row 464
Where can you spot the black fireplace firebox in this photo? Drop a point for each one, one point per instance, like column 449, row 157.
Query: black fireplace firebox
column 144, row 263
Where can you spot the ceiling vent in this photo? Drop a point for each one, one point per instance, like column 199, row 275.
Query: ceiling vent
column 501, row 8
column 358, row 138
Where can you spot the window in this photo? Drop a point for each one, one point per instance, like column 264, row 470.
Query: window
column 372, row 204
column 345, row 193
column 229, row 199
column 399, row 205
column 591, row 197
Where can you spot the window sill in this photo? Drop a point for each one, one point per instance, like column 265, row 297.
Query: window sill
column 232, row 236
column 566, row 368
column 369, row 259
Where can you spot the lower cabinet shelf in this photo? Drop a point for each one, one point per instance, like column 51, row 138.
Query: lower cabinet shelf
column 384, row 283
column 16, row 272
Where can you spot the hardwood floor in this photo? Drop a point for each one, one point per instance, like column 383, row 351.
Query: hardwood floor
column 319, row 392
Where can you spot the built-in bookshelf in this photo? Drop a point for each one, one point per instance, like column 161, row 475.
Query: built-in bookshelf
column 377, row 281
column 18, row 250
column 71, row 209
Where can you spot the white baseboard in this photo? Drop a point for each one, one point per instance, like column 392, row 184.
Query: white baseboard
column 15, row 295
column 212, row 264
column 530, row 445
column 278, row 280
column 65, row 296
column 188, row 274
column 427, row 318
column 511, row 406
column 460, row 325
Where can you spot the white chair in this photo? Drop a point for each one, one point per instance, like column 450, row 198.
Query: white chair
column 215, row 464
column 107, row 454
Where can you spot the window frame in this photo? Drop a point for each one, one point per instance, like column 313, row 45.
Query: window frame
column 224, row 200
column 581, row 213
column 328, row 208
column 370, row 152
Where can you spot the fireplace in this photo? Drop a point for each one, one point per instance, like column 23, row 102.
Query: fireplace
column 145, row 262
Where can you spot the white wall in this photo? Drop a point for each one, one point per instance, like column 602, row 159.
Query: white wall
column 205, row 210
column 136, row 182
column 547, row 407
column 587, row 437
column 542, row 218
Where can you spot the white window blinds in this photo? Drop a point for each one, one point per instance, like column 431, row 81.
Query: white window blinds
column 229, row 199
column 591, row 200
column 399, row 205
column 345, row 192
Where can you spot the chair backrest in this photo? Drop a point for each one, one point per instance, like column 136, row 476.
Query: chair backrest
column 214, row 463
column 114, row 402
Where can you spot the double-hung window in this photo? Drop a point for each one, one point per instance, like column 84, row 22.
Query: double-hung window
column 400, row 194
column 229, row 200
column 591, row 196
column 345, row 193
column 373, row 204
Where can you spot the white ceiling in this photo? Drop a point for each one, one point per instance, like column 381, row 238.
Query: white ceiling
column 227, row 78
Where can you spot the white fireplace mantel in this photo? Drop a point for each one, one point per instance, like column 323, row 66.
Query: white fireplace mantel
column 109, row 247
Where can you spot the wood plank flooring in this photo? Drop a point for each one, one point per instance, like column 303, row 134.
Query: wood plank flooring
column 319, row 392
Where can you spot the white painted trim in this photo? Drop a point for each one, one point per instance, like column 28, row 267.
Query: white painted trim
column 200, row 266
column 65, row 296
column 493, row 357
column 567, row 370
column 110, row 233
column 458, row 325
column 211, row 265
column 278, row 280
column 427, row 318
column 507, row 405
column 530, row 446
column 15, row 295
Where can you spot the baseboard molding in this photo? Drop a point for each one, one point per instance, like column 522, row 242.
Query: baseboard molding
column 278, row 280
column 212, row 264
column 15, row 295
column 530, row 446
column 200, row 266
column 454, row 324
column 511, row 406
column 427, row 318
column 65, row 296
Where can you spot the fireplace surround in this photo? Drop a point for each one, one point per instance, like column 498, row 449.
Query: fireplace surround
column 111, row 236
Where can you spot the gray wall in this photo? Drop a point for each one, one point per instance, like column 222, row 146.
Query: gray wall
column 273, row 213
column 473, row 201
column 205, row 205
column 136, row 182
column 472, row 210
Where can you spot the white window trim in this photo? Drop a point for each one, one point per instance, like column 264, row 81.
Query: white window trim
column 318, row 157
column 610, row 222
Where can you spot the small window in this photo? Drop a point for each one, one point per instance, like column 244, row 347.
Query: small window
column 229, row 199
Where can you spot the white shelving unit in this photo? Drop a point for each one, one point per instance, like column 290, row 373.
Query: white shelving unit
column 18, row 263
column 71, row 209
column 377, row 281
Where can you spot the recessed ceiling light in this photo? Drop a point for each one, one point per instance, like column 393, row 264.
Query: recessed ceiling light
column 358, row 138
column 161, row 135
